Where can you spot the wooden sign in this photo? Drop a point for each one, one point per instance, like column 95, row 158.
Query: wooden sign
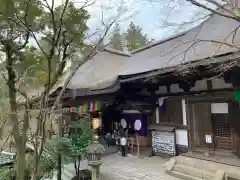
column 163, row 142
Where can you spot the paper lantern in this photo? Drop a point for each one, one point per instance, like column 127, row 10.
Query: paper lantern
column 95, row 123
column 137, row 125
column 123, row 123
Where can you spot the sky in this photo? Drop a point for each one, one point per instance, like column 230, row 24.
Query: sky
column 150, row 15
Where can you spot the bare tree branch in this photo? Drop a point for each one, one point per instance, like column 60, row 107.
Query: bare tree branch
column 88, row 57
column 232, row 16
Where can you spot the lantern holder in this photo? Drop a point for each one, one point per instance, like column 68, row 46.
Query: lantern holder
column 94, row 156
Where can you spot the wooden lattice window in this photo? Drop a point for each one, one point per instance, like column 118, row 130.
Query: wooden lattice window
column 221, row 126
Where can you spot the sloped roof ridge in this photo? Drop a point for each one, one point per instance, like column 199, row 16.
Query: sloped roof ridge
column 114, row 51
column 169, row 38
column 177, row 35
column 131, row 53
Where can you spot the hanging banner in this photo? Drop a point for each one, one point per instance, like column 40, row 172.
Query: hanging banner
column 93, row 108
column 85, row 108
column 236, row 94
column 161, row 103
column 97, row 108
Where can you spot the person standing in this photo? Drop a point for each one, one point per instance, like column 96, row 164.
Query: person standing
column 108, row 138
column 123, row 143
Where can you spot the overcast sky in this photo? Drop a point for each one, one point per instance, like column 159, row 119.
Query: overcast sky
column 149, row 15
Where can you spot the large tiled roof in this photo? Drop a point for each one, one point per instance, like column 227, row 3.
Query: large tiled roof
column 99, row 72
column 196, row 44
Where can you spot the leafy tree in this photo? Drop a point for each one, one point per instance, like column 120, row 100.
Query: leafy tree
column 47, row 165
column 74, row 147
column 135, row 37
column 7, row 173
column 32, row 67
column 79, row 140
column 15, row 31
column 116, row 39
column 57, row 33
column 63, row 28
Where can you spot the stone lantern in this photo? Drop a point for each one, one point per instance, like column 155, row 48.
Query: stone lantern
column 94, row 157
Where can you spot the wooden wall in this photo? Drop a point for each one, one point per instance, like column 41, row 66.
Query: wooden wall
column 235, row 124
column 173, row 112
column 199, row 118
column 201, row 122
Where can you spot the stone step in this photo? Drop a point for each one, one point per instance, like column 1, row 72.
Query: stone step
column 198, row 164
column 193, row 171
column 233, row 175
column 210, row 170
column 182, row 175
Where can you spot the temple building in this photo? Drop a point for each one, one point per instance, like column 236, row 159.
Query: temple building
column 174, row 96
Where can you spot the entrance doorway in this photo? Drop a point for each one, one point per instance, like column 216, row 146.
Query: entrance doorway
column 211, row 119
column 222, row 134
column 221, row 130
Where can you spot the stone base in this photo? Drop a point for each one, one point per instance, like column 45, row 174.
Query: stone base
column 193, row 168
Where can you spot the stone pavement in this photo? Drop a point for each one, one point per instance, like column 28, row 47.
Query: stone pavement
column 116, row 167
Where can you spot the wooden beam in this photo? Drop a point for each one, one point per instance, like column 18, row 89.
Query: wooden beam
column 186, row 85
column 195, row 92
column 217, row 60
column 209, row 85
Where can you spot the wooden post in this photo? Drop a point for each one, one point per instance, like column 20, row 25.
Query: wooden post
column 60, row 134
column 138, row 150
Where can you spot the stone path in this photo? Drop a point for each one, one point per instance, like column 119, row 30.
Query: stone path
column 116, row 167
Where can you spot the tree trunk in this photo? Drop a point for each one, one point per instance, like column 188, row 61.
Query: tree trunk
column 18, row 137
column 21, row 164
column 60, row 134
column 59, row 171
column 76, row 170
column 36, row 168
column 34, row 176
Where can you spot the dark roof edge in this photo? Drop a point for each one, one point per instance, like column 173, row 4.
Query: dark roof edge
column 222, row 58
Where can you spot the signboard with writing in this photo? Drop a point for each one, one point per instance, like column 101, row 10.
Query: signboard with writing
column 208, row 138
column 163, row 142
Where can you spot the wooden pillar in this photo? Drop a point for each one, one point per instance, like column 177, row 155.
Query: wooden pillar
column 157, row 114
column 152, row 90
column 184, row 112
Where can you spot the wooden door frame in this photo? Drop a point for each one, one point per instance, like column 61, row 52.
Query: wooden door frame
column 191, row 124
column 191, row 120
